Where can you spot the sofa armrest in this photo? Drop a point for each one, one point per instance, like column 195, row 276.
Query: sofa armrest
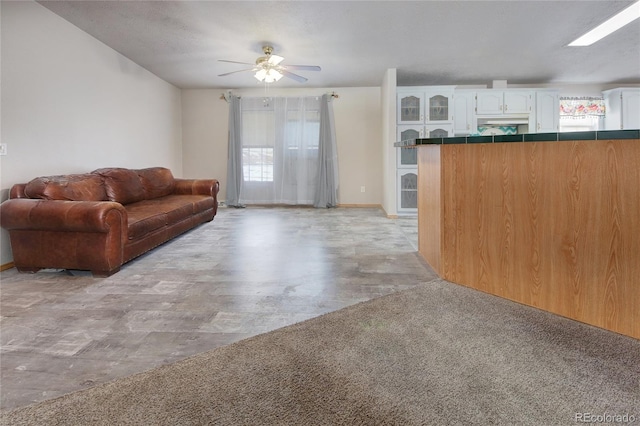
column 17, row 191
column 66, row 216
column 197, row 187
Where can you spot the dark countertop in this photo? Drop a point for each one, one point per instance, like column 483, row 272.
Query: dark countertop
column 526, row 137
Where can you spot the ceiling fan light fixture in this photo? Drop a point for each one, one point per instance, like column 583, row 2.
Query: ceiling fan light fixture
column 267, row 68
column 260, row 74
column 268, row 75
column 276, row 74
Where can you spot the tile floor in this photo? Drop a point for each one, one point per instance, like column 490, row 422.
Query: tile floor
column 248, row 272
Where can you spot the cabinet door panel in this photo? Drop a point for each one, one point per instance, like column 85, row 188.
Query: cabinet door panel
column 436, row 131
column 631, row 110
column 489, row 102
column 407, row 190
column 517, row 102
column 410, row 132
column 410, row 108
column 438, row 108
column 547, row 112
column 407, row 157
column 463, row 113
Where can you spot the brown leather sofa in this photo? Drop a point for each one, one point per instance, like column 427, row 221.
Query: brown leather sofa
column 100, row 220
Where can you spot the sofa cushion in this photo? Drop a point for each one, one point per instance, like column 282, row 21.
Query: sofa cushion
column 176, row 207
column 122, row 185
column 156, row 181
column 143, row 218
column 78, row 187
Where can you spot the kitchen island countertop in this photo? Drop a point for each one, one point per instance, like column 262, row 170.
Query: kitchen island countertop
column 525, row 137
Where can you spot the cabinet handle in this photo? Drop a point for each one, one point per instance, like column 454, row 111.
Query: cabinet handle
column 505, row 107
column 538, row 126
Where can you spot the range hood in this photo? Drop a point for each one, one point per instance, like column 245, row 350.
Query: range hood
column 512, row 120
column 503, row 124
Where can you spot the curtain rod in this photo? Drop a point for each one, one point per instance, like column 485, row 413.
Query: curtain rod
column 224, row 95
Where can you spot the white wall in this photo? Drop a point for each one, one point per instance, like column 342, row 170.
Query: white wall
column 388, row 117
column 72, row 104
column 205, row 128
column 358, row 128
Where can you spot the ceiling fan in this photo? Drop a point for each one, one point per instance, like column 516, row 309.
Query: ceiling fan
column 268, row 69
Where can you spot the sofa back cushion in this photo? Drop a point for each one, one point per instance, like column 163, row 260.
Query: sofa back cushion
column 156, row 181
column 122, row 185
column 76, row 187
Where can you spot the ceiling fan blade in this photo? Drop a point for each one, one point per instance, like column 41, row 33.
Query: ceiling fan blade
column 233, row 72
column 275, row 59
column 296, row 77
column 303, row 67
column 235, row 62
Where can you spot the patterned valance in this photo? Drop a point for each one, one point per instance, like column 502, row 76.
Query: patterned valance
column 580, row 107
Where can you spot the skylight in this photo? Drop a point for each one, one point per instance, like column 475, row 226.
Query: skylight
column 609, row 26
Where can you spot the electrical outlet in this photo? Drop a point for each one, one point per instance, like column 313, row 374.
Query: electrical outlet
column 362, row 189
column 3, row 149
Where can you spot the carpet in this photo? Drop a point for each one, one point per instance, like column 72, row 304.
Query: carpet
column 435, row 354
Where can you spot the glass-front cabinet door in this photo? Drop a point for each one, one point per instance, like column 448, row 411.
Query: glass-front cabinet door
column 408, row 157
column 425, row 104
column 407, row 191
column 410, row 108
column 436, row 131
column 438, row 108
column 410, row 132
column 422, row 112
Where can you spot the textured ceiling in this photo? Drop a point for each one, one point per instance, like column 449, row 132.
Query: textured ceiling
column 428, row 42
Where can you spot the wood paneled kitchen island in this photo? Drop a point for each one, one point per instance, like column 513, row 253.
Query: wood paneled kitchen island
column 547, row 220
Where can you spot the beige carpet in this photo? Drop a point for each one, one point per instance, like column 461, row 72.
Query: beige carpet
column 437, row 354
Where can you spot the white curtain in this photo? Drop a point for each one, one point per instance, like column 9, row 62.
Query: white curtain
column 280, row 150
column 234, row 160
column 327, row 183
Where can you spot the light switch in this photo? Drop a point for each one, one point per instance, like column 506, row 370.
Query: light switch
column 3, row 149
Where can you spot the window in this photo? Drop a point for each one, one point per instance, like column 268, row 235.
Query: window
column 581, row 113
column 257, row 164
column 579, row 124
column 258, row 140
column 280, row 139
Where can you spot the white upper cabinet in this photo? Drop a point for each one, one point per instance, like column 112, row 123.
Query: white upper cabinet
column 622, row 109
column 407, row 157
column 489, row 102
column 438, row 131
column 517, row 102
column 464, row 121
column 424, row 105
column 439, row 106
column 499, row 102
column 407, row 132
column 407, row 190
column 547, row 114
column 411, row 108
